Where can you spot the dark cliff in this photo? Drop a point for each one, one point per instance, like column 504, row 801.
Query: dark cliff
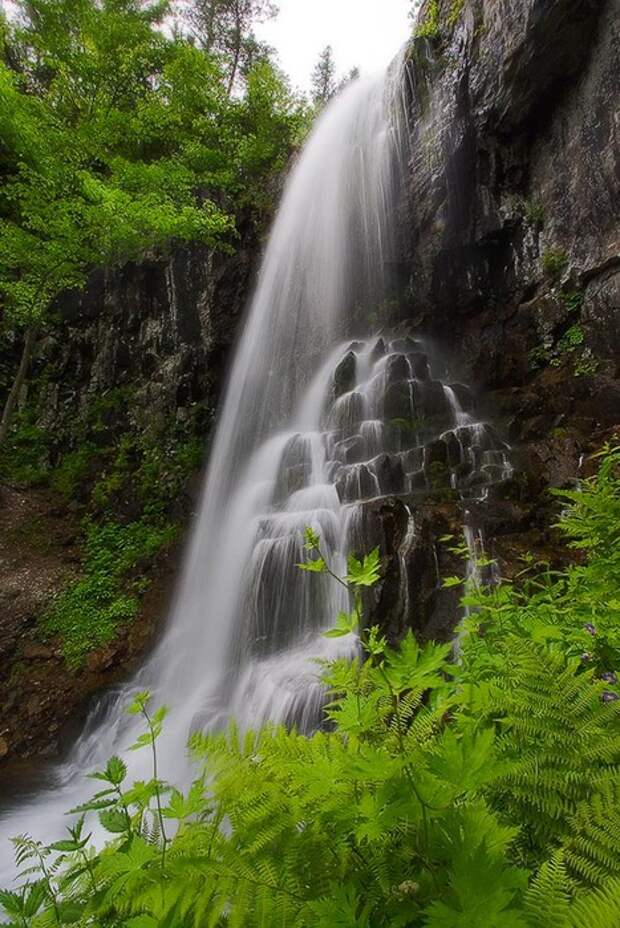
column 128, row 384
column 511, row 253
column 512, row 233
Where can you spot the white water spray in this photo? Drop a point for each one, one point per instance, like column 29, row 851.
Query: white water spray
column 246, row 625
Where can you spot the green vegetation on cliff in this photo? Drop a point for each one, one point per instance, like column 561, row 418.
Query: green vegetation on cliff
column 117, row 139
column 480, row 792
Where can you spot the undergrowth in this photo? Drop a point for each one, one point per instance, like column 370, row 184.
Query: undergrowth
column 89, row 611
column 125, row 486
column 481, row 792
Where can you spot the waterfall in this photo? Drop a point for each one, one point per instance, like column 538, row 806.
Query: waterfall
column 322, row 415
column 246, row 624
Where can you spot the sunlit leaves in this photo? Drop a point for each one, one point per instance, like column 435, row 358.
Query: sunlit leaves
column 438, row 794
column 364, row 572
column 346, row 624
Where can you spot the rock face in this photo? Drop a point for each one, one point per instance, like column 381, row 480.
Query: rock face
column 511, row 238
column 161, row 330
column 514, row 153
column 511, row 244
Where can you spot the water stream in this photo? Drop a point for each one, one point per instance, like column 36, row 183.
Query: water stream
column 323, row 413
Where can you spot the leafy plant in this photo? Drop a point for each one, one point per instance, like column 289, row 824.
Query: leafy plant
column 534, row 213
column 89, row 611
column 439, row 794
column 120, row 140
column 430, row 26
column 554, row 263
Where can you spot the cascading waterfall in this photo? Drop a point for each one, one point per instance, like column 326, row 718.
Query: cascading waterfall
column 321, row 416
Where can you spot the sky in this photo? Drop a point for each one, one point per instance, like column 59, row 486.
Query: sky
column 362, row 33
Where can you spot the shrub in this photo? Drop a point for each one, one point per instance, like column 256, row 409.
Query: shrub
column 478, row 793
column 554, row 263
column 88, row 613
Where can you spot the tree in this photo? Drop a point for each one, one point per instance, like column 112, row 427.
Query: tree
column 115, row 140
column 226, row 28
column 324, row 84
column 353, row 75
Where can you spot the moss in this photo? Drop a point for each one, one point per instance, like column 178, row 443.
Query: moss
column 430, row 26
column 554, row 263
column 71, row 475
column 455, row 13
column 126, row 486
column 587, row 365
column 534, row 213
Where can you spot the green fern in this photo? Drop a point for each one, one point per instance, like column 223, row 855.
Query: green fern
column 440, row 795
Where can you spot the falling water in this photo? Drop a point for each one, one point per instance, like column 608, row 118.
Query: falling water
column 321, row 417
column 246, row 623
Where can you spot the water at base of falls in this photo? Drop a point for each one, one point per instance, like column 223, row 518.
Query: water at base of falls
column 319, row 420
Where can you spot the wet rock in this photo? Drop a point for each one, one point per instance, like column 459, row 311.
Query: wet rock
column 397, row 369
column 351, row 450
column 463, row 396
column 405, row 345
column 344, row 375
column 410, row 594
column 398, row 402
column 419, row 366
column 356, row 483
column 432, row 405
column 437, row 453
column 390, row 474
column 378, row 351
column 453, row 449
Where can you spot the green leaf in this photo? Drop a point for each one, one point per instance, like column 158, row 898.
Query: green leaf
column 139, row 704
column 365, row 572
column 450, row 582
column 116, row 771
column 114, row 821
column 317, row 566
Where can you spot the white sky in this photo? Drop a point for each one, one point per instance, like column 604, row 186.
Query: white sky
column 366, row 33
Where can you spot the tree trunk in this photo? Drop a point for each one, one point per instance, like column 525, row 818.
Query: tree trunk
column 234, row 67
column 237, row 49
column 18, row 383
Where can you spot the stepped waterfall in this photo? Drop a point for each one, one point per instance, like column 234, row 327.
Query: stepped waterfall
column 325, row 412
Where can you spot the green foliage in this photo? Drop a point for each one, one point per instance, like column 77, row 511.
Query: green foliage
column 534, row 213
column 572, row 299
column 23, row 457
column 572, row 339
column 107, row 476
column 73, row 471
column 324, row 81
column 433, row 23
column 455, row 13
column 482, row 793
column 554, row 263
column 88, row 612
column 586, row 365
column 430, row 26
column 119, row 140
